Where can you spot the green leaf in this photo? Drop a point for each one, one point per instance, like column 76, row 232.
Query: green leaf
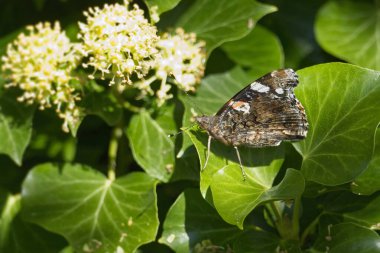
column 104, row 105
column 219, row 21
column 151, row 147
column 369, row 181
column 15, row 125
column 92, row 212
column 235, row 199
column 222, row 156
column 166, row 118
column 343, row 109
column 217, row 89
column 8, row 212
column 351, row 238
column 260, row 50
column 368, row 216
column 350, row 30
column 18, row 236
column 163, row 5
column 192, row 220
column 262, row 241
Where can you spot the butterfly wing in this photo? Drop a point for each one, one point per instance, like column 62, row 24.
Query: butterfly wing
column 264, row 113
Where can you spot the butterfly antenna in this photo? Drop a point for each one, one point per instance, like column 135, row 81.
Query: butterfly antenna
column 183, row 130
column 193, row 103
column 241, row 166
column 208, row 152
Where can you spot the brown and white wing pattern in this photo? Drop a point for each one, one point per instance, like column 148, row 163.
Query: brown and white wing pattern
column 264, row 113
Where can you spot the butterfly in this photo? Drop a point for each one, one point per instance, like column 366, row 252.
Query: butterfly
column 264, row 113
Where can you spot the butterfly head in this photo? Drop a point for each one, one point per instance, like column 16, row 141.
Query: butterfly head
column 285, row 78
column 205, row 122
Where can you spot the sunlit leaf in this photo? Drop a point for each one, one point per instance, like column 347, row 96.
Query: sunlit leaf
column 15, row 125
column 162, row 5
column 219, row 21
column 343, row 109
column 350, row 30
column 92, row 212
column 151, row 146
column 260, row 50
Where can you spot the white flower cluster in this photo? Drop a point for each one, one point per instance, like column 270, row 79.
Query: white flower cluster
column 119, row 41
column 40, row 63
column 182, row 57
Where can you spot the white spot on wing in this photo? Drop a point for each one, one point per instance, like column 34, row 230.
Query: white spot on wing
column 259, row 87
column 280, row 91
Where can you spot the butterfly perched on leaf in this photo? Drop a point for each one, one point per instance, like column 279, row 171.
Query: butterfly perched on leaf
column 264, row 113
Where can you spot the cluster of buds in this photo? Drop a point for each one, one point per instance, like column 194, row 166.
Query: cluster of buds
column 40, row 63
column 117, row 43
column 183, row 58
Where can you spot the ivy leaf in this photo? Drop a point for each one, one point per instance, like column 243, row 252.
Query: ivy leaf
column 343, row 109
column 19, row 236
column 260, row 50
column 215, row 90
column 351, row 238
column 262, row 241
column 191, row 221
column 235, row 199
column 219, row 21
column 103, row 105
column 350, row 30
column 151, row 147
column 15, row 125
column 369, row 181
column 368, row 216
column 163, row 5
column 92, row 212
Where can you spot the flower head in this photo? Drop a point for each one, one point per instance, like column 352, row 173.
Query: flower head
column 182, row 57
column 40, row 63
column 119, row 41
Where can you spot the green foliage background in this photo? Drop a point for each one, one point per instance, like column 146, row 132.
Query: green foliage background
column 317, row 195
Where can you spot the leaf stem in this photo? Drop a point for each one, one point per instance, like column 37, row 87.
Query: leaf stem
column 296, row 218
column 112, row 152
column 10, row 210
column 309, row 229
column 131, row 107
column 278, row 219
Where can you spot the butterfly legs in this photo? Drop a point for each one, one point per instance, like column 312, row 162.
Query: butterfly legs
column 237, row 153
column 208, row 152
column 241, row 166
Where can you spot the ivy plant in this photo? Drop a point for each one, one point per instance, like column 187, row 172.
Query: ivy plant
column 129, row 173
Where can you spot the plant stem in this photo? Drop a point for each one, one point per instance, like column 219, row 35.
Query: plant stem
column 278, row 219
column 296, row 218
column 309, row 229
column 10, row 210
column 112, row 152
column 131, row 107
